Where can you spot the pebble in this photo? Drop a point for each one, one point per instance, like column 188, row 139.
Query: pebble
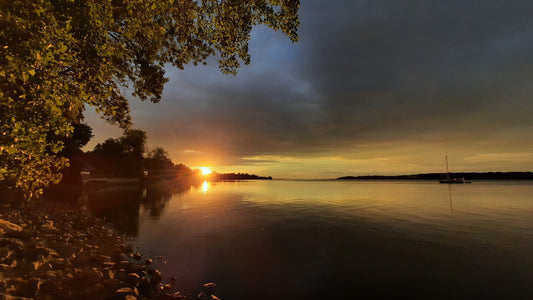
column 104, row 258
column 137, row 256
column 210, row 287
column 6, row 225
column 134, row 278
column 122, row 292
column 68, row 263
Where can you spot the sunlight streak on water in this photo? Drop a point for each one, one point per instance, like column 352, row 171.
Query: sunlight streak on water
column 205, row 187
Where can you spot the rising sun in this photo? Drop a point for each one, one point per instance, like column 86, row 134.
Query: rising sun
column 205, row 170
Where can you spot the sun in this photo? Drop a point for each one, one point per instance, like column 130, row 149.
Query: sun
column 205, row 170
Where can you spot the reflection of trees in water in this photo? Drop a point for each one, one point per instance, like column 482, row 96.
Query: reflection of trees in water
column 158, row 195
column 120, row 205
column 156, row 200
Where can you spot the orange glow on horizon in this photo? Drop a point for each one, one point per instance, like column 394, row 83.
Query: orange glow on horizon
column 205, row 170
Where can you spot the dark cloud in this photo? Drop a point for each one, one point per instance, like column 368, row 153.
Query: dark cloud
column 367, row 72
column 381, row 63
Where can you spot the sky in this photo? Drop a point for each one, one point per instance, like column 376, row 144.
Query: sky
column 371, row 87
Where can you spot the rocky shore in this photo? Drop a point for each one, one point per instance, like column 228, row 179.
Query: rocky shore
column 48, row 251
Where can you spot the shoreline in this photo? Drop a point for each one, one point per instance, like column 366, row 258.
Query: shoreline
column 436, row 176
column 50, row 250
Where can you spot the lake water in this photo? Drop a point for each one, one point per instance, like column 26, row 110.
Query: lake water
column 284, row 239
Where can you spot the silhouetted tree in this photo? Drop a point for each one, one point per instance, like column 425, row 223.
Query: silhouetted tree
column 69, row 188
column 133, row 147
column 110, row 148
column 106, row 158
column 122, row 156
column 157, row 159
column 81, row 135
column 133, row 143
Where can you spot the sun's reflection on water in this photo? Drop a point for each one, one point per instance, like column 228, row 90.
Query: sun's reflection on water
column 205, row 187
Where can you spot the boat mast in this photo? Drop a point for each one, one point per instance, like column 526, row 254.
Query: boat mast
column 447, row 171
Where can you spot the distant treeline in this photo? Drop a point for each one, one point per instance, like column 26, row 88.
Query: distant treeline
column 238, row 176
column 437, row 176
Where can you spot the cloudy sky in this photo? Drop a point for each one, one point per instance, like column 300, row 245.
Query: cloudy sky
column 372, row 87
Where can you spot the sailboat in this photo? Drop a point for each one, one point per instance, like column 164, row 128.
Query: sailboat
column 452, row 180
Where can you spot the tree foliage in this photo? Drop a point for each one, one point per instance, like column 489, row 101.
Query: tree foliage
column 81, row 135
column 158, row 159
column 57, row 56
column 159, row 166
column 121, row 157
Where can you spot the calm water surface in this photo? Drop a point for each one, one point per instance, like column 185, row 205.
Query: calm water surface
column 340, row 239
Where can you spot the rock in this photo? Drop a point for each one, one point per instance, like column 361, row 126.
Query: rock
column 130, row 297
column 134, row 278
column 135, row 268
column 124, row 264
column 91, row 275
column 123, row 292
column 6, row 226
column 21, row 235
column 81, row 259
column 156, row 277
column 110, row 274
column 49, row 228
column 104, row 258
column 38, row 262
column 23, row 288
column 59, row 263
column 40, row 258
column 137, row 256
column 33, row 252
column 148, row 261
column 53, row 253
column 25, row 267
column 12, row 243
column 5, row 252
column 3, row 268
column 145, row 288
column 51, row 274
column 209, row 287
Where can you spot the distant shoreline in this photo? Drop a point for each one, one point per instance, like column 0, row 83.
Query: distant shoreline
column 437, row 176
